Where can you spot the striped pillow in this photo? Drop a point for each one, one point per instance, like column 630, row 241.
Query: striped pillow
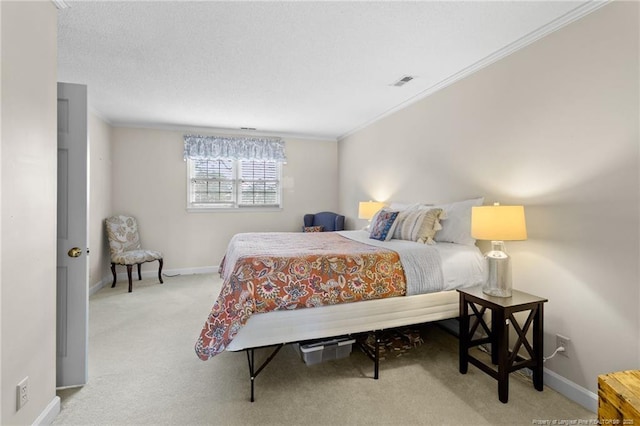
column 430, row 225
column 408, row 224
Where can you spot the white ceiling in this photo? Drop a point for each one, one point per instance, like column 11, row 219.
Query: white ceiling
column 310, row 69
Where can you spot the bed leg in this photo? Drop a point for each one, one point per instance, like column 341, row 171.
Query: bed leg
column 376, row 360
column 253, row 373
column 250, row 360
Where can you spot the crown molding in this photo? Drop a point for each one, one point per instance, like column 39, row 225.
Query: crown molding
column 222, row 130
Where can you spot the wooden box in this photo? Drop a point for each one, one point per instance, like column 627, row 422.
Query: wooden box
column 619, row 398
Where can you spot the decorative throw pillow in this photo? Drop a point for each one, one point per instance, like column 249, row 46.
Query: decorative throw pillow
column 429, row 226
column 318, row 228
column 402, row 217
column 407, row 227
column 374, row 218
column 382, row 228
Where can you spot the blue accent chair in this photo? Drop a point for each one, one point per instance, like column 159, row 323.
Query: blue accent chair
column 330, row 221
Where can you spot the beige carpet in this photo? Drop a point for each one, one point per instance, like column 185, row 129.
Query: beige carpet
column 143, row 370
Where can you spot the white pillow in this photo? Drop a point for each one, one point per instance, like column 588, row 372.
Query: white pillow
column 456, row 228
column 404, row 206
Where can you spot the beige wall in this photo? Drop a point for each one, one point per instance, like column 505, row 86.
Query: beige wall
column 99, row 197
column 28, row 199
column 149, row 182
column 554, row 127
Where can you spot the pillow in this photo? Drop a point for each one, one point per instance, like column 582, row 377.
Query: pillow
column 382, row 228
column 404, row 206
column 318, row 228
column 398, row 207
column 400, row 219
column 457, row 226
column 429, row 226
column 369, row 227
column 408, row 223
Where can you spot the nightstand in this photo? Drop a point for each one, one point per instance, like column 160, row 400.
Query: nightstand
column 474, row 304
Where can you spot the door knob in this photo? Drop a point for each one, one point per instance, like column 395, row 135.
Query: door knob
column 75, row 252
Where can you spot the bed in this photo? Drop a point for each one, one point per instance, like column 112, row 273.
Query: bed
column 461, row 265
column 397, row 283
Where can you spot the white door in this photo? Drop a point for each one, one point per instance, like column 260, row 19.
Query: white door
column 72, row 272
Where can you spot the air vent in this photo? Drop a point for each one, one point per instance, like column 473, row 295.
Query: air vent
column 404, row 80
column 60, row 4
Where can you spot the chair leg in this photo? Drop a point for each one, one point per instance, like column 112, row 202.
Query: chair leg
column 139, row 273
column 160, row 271
column 129, row 267
column 113, row 271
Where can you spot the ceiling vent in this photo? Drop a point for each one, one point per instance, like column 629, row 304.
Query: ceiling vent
column 404, row 80
column 60, row 4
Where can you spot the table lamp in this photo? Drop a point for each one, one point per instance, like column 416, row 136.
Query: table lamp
column 498, row 224
column 367, row 209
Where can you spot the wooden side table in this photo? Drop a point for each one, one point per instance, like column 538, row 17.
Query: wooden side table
column 502, row 318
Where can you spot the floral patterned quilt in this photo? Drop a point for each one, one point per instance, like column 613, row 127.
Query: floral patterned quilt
column 265, row 272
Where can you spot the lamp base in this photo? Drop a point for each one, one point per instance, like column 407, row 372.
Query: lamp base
column 499, row 271
column 496, row 292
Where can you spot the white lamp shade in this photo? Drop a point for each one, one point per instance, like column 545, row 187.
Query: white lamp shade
column 366, row 209
column 498, row 223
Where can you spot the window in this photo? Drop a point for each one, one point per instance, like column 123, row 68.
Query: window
column 226, row 183
column 233, row 172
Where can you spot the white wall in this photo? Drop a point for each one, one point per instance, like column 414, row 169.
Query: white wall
column 554, row 127
column 99, row 198
column 28, row 199
column 149, row 182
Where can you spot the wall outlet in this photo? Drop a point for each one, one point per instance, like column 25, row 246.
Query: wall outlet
column 565, row 342
column 22, row 393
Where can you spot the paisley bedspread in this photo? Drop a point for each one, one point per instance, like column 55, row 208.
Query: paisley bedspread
column 273, row 271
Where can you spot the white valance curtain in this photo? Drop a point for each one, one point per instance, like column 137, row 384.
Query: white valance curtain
column 234, row 148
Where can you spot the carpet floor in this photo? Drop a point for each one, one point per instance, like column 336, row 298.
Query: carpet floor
column 143, row 371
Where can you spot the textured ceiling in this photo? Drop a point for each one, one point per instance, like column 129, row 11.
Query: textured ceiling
column 315, row 69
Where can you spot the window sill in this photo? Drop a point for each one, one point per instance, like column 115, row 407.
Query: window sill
column 233, row 209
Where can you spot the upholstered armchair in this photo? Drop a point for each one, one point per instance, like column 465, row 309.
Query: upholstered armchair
column 125, row 248
column 327, row 220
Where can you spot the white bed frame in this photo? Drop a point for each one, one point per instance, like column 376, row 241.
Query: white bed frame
column 280, row 327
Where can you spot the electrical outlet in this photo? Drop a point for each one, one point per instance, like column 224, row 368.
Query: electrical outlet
column 22, row 393
column 565, row 343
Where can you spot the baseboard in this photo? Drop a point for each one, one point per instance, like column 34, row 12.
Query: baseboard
column 49, row 413
column 572, row 391
column 169, row 272
column 96, row 287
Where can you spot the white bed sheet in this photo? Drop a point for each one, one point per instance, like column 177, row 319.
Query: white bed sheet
column 462, row 266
